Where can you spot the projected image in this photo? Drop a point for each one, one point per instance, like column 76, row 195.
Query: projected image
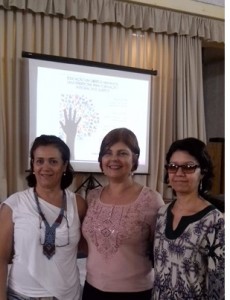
column 81, row 104
column 78, row 119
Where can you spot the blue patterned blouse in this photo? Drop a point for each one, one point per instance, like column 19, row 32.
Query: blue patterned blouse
column 189, row 261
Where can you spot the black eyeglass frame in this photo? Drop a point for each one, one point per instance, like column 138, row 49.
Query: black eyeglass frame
column 188, row 168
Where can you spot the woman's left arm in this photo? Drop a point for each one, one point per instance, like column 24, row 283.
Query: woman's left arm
column 216, row 260
column 82, row 208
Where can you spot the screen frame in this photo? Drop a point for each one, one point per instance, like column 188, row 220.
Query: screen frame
column 66, row 60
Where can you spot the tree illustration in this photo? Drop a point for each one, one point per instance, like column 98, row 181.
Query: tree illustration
column 78, row 118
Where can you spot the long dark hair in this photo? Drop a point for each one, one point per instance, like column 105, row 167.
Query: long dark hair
column 46, row 140
column 198, row 150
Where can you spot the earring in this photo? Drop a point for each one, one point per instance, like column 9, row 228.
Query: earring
column 64, row 174
column 200, row 186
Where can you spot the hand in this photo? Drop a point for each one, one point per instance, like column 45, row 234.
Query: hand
column 70, row 128
column 71, row 123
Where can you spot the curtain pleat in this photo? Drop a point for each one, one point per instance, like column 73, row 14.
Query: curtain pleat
column 3, row 113
column 129, row 15
column 161, row 111
column 189, row 101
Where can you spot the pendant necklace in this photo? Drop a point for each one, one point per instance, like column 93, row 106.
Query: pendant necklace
column 50, row 231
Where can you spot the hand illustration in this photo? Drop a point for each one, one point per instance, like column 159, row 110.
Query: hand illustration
column 70, row 127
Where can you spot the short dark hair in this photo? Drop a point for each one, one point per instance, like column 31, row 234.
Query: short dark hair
column 125, row 136
column 46, row 140
column 198, row 150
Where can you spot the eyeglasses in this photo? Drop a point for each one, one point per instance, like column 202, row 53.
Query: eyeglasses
column 186, row 168
column 61, row 236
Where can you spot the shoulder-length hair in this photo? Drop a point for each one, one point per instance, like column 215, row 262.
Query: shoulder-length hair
column 47, row 140
column 198, row 150
column 125, row 136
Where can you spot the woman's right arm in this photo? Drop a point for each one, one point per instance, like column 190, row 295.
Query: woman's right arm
column 6, row 244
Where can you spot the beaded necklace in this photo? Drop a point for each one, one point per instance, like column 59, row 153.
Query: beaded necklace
column 50, row 231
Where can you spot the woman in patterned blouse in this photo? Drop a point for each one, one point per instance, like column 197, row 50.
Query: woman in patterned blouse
column 189, row 237
column 119, row 225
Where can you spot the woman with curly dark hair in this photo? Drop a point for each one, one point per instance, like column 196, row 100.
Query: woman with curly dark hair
column 189, row 236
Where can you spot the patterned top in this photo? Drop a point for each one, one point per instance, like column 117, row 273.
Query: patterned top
column 189, row 261
column 119, row 238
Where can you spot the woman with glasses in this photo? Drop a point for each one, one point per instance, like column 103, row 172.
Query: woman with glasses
column 119, row 225
column 189, row 236
column 42, row 225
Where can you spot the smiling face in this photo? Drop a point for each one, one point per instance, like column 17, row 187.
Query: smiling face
column 48, row 166
column 118, row 161
column 184, row 183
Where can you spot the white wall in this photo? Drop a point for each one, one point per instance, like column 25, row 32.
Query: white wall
column 188, row 6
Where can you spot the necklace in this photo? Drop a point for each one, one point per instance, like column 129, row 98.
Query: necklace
column 50, row 231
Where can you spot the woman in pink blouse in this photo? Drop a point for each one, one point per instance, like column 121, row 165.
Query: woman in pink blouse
column 119, row 225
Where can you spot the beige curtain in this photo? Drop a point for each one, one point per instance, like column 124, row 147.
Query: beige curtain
column 65, row 28
column 129, row 15
column 188, row 105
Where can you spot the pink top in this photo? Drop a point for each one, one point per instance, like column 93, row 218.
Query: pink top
column 119, row 239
